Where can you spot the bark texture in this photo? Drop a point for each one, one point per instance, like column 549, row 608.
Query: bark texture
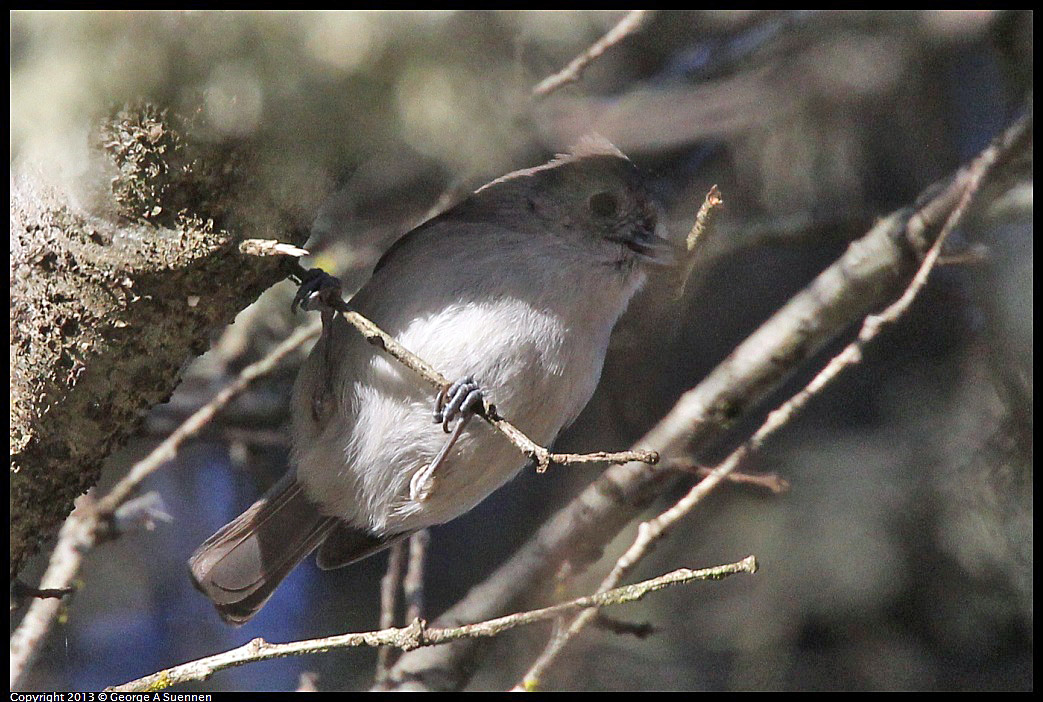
column 118, row 280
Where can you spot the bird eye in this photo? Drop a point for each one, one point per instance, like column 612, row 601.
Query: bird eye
column 604, row 204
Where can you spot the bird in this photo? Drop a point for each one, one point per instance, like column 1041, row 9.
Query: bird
column 514, row 291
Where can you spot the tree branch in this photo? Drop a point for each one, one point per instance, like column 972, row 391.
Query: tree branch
column 85, row 526
column 542, row 457
column 390, row 585
column 651, row 531
column 418, row 635
column 869, row 274
column 116, row 282
column 572, row 72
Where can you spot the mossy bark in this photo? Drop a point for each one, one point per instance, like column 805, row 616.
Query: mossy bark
column 116, row 284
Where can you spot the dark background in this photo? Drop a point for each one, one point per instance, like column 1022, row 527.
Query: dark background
column 901, row 557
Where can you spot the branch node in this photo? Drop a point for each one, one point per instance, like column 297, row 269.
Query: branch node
column 415, row 635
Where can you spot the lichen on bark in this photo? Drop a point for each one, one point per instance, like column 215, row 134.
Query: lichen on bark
column 114, row 293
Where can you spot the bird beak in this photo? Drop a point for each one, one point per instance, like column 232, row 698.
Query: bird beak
column 650, row 245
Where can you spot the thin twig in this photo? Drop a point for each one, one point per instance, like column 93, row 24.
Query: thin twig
column 860, row 280
column 413, row 585
column 83, row 527
column 572, row 72
column 168, row 448
column 417, row 634
column 769, row 481
column 389, row 587
column 704, row 220
column 651, row 531
column 542, row 457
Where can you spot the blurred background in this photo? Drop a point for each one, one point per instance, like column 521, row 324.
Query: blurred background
column 901, row 556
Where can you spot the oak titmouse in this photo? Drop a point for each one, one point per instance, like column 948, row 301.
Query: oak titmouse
column 515, row 291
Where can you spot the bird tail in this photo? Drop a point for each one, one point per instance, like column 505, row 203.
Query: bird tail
column 347, row 544
column 240, row 566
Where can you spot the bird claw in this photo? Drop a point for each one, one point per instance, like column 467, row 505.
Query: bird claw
column 461, row 398
column 317, row 289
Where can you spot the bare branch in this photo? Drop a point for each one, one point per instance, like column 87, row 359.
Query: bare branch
column 530, row 448
column 769, row 481
column 542, row 457
column 389, row 587
column 127, row 283
column 704, row 220
column 572, row 72
column 418, row 635
column 869, row 274
column 413, row 585
column 651, row 531
column 168, row 448
column 85, row 526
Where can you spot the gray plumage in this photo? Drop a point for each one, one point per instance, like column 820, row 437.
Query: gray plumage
column 519, row 286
